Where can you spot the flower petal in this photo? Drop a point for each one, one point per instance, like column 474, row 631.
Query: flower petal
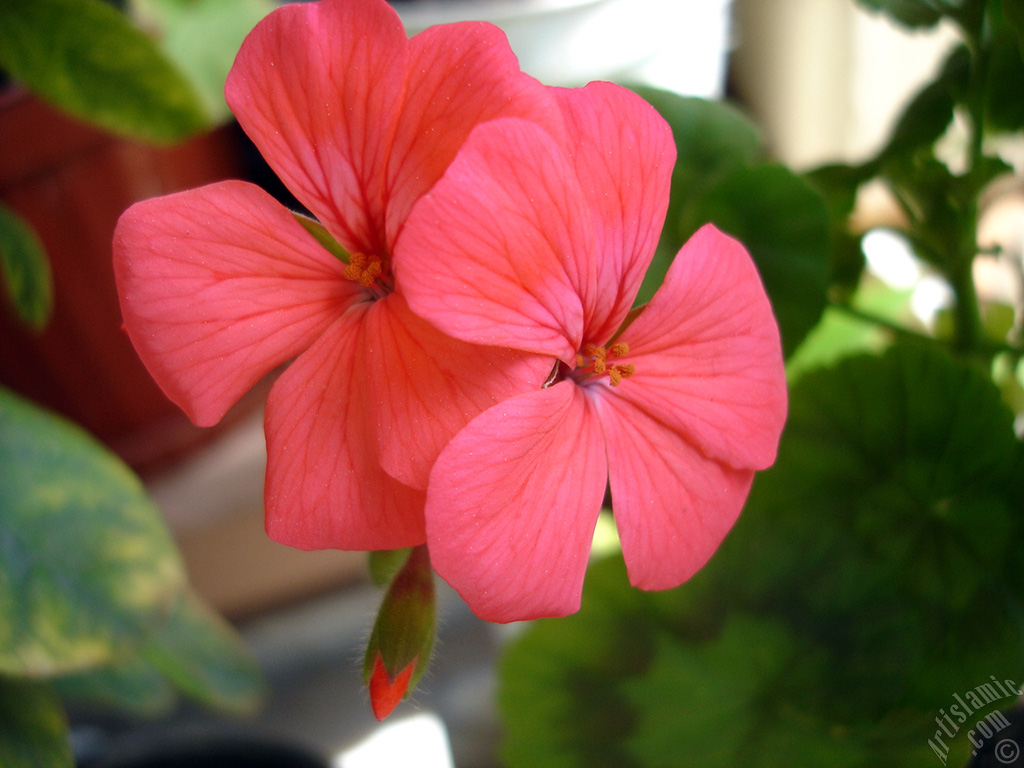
column 460, row 75
column 673, row 506
column 426, row 386
column 623, row 152
column 487, row 255
column 512, row 505
column 218, row 286
column 325, row 487
column 707, row 354
column 316, row 86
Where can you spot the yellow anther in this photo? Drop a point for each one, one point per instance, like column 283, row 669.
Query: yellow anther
column 364, row 269
column 592, row 360
column 370, row 274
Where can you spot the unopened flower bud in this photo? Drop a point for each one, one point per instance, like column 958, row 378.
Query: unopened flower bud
column 403, row 635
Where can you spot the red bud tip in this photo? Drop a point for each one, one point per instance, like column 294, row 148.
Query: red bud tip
column 385, row 693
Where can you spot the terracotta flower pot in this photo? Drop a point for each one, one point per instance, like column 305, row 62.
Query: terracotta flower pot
column 71, row 182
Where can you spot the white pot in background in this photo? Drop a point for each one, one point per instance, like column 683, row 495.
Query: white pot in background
column 676, row 44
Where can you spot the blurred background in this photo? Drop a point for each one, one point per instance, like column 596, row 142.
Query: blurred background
column 824, row 81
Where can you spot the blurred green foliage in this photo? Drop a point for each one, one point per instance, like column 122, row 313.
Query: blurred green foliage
column 93, row 595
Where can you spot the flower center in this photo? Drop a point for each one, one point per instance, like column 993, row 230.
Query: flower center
column 593, row 360
column 368, row 271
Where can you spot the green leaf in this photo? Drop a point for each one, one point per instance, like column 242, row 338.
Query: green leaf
column 911, row 13
column 720, row 176
column 1004, row 89
column 838, row 185
column 925, row 119
column 203, row 656
column 1013, row 14
column 894, row 497
column 707, row 695
column 841, row 334
column 560, row 696
column 130, row 686
column 33, row 728
column 783, row 222
column 87, row 567
column 712, row 138
column 87, row 59
column 25, row 271
column 202, row 37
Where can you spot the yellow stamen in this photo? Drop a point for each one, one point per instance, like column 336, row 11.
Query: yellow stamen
column 593, row 360
column 364, row 269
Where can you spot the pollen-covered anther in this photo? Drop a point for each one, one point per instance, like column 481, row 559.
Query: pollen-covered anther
column 617, row 373
column 364, row 269
column 593, row 360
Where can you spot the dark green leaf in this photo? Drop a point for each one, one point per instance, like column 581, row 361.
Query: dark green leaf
column 87, row 59
column 1013, row 13
column 838, row 185
column 33, row 729
column 894, row 496
column 87, row 567
column 784, row 224
column 202, row 655
column 560, row 697
column 930, row 112
column 707, row 695
column 841, row 334
column 1005, row 86
column 911, row 13
column 712, row 138
column 25, row 271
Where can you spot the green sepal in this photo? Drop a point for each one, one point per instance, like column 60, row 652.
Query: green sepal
column 322, row 236
column 385, row 564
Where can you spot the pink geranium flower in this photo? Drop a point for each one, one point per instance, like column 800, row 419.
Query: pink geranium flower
column 676, row 406
column 220, row 285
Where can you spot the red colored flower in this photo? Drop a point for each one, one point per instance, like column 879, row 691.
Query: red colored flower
column 675, row 407
column 220, row 285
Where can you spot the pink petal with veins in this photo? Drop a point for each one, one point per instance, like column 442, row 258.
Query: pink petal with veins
column 708, row 357
column 491, row 253
column 460, row 75
column 218, row 286
column 325, row 487
column 673, row 505
column 623, row 153
column 513, row 502
column 316, row 86
column 425, row 386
